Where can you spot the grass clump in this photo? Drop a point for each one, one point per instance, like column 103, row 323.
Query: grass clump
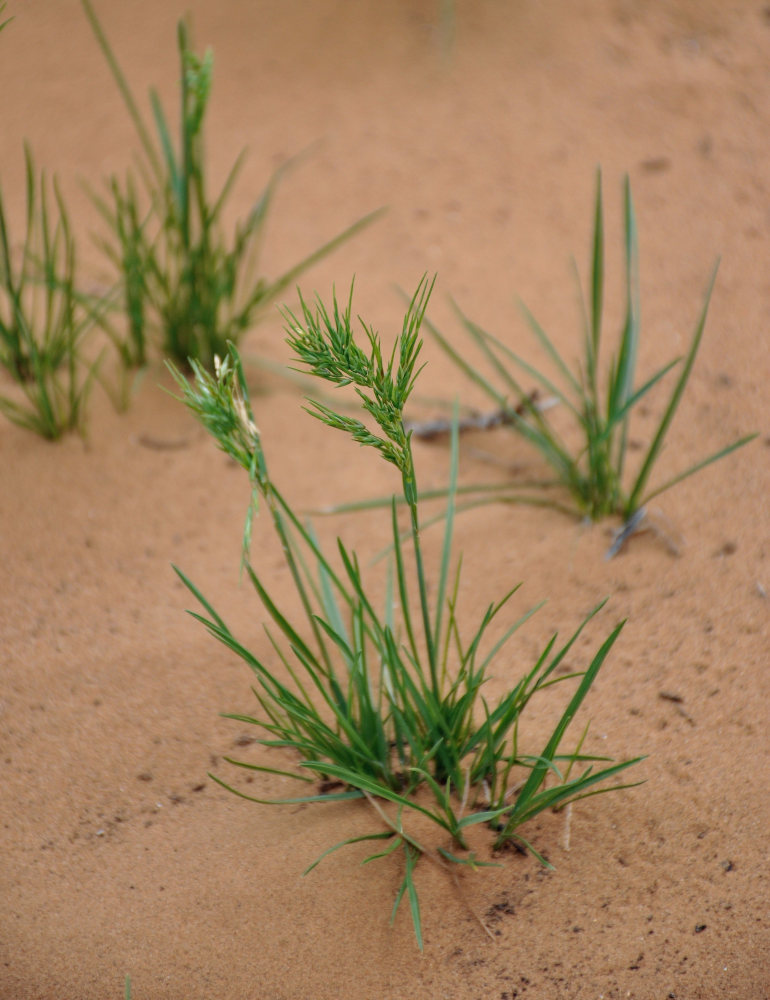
column 181, row 278
column 599, row 398
column 43, row 316
column 390, row 706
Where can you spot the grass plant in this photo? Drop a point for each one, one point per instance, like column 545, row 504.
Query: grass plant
column 383, row 705
column 179, row 275
column 43, row 316
column 600, row 398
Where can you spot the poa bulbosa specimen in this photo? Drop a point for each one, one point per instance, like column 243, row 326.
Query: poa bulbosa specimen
column 599, row 398
column 181, row 280
column 386, row 704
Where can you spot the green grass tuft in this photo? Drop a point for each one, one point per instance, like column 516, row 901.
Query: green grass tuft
column 599, row 397
column 388, row 703
column 182, row 281
column 44, row 317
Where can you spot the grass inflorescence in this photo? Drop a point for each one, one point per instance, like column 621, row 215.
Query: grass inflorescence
column 390, row 703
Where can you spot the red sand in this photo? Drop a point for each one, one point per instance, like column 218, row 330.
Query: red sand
column 118, row 855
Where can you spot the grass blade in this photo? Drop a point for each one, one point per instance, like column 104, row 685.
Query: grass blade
column 698, row 466
column 652, row 453
column 386, row 835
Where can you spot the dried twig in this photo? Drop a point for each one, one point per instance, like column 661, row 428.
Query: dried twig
column 427, row 430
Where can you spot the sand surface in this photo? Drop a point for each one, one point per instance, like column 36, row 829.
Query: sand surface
column 118, row 856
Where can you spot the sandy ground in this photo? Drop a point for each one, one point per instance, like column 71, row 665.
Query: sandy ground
column 119, row 856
